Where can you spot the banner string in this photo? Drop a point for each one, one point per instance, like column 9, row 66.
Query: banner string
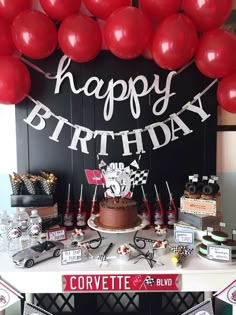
column 46, row 74
column 49, row 76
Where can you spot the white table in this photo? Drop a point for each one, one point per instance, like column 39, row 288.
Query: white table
column 197, row 274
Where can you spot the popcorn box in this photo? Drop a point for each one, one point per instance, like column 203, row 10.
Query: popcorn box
column 200, row 221
column 199, row 206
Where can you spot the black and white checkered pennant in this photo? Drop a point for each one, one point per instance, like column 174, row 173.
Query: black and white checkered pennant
column 149, row 280
column 139, row 177
column 204, row 308
column 30, row 309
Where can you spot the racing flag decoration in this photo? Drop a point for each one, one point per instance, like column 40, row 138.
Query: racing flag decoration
column 94, row 177
column 117, row 179
column 8, row 295
column 30, row 309
column 228, row 294
column 204, row 308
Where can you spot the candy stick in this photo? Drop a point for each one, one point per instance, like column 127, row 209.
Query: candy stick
column 80, row 199
column 68, row 200
column 93, row 200
column 146, row 202
column 171, row 199
column 159, row 200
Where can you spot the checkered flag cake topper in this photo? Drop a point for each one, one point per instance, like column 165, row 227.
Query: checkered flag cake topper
column 139, row 177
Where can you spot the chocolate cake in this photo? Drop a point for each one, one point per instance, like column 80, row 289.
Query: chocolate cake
column 118, row 213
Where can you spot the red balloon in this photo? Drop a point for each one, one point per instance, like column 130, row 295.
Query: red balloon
column 60, row 9
column 9, row 9
column 215, row 56
column 175, row 42
column 34, row 34
column 7, row 46
column 80, row 37
column 103, row 8
column 158, row 10
column 208, row 14
column 226, row 93
column 15, row 80
column 127, row 32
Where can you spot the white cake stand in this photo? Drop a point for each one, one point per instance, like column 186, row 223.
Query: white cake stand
column 93, row 225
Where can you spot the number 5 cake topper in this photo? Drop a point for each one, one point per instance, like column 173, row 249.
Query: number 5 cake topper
column 117, row 179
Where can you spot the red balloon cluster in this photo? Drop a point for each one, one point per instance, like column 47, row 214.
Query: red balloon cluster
column 14, row 80
column 127, row 32
column 208, row 14
column 9, row 9
column 74, row 37
column 214, row 57
column 171, row 32
column 175, row 41
column 158, row 10
column 103, row 8
column 34, row 34
column 226, row 93
column 60, row 9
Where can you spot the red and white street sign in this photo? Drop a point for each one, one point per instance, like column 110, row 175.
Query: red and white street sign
column 121, row 282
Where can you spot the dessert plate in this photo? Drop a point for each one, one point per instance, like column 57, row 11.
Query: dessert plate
column 232, row 262
column 93, row 223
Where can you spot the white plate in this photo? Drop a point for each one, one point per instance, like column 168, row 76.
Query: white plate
column 92, row 224
column 232, row 262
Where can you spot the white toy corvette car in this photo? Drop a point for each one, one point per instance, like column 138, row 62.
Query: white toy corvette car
column 34, row 254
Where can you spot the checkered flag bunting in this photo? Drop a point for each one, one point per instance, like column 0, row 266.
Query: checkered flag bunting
column 139, row 177
column 30, row 309
column 8, row 296
column 228, row 294
column 204, row 308
column 149, row 280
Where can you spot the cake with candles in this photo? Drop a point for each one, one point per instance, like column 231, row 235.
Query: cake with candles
column 118, row 210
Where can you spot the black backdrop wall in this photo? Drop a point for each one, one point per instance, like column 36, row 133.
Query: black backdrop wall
column 191, row 153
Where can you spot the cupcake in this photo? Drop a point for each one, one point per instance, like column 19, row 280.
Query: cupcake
column 123, row 252
column 161, row 232
column 203, row 249
column 219, row 236
column 77, row 235
column 208, row 240
column 232, row 244
column 160, row 247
